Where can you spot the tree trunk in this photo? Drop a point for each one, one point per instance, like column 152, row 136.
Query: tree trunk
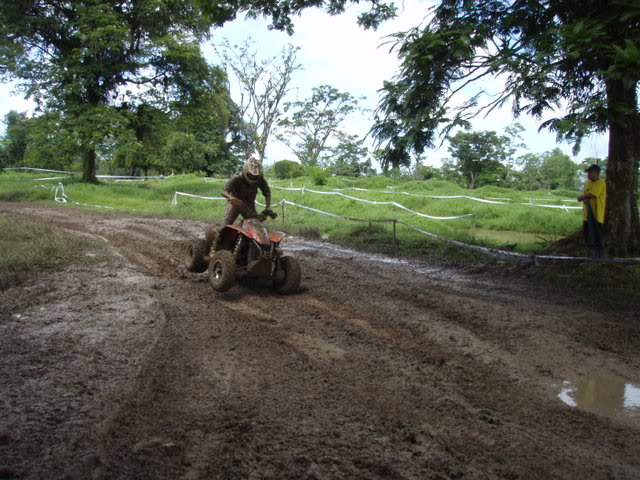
column 622, row 225
column 89, row 165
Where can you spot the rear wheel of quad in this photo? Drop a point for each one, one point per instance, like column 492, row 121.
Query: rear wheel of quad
column 292, row 275
column 194, row 256
column 222, row 271
column 211, row 237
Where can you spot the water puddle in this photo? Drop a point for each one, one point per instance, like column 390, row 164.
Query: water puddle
column 507, row 236
column 605, row 395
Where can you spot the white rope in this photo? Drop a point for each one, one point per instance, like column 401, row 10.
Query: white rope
column 77, row 173
column 135, row 177
column 468, row 197
column 402, row 207
column 488, row 251
column 174, row 202
column 40, row 170
column 60, row 196
column 335, row 215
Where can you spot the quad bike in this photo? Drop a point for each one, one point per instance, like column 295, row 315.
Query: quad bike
column 231, row 252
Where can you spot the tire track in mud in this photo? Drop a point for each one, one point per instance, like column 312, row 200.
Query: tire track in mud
column 369, row 372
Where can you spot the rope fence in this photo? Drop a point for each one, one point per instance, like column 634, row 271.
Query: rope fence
column 497, row 253
column 60, row 196
column 121, row 178
column 302, row 190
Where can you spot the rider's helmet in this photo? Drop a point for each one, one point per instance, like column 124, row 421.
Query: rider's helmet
column 252, row 170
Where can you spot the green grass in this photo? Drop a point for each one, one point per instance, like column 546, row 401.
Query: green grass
column 26, row 249
column 153, row 197
column 530, row 228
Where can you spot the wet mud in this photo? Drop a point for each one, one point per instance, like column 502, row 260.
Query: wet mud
column 127, row 366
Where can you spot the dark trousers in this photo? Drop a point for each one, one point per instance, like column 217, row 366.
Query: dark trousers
column 593, row 237
column 230, row 214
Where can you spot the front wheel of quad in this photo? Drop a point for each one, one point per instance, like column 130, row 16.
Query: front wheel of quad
column 292, row 275
column 194, row 256
column 222, row 271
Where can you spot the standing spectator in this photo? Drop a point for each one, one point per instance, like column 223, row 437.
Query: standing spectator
column 594, row 199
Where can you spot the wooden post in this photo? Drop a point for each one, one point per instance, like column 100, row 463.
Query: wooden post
column 282, row 205
column 394, row 235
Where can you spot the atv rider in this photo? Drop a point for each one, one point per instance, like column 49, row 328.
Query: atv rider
column 241, row 190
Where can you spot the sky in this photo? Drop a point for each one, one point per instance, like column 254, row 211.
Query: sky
column 336, row 51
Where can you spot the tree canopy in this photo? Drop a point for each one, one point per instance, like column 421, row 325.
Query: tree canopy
column 88, row 59
column 263, row 84
column 551, row 53
column 476, row 153
column 315, row 120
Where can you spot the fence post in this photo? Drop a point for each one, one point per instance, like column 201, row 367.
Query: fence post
column 394, row 234
column 282, row 205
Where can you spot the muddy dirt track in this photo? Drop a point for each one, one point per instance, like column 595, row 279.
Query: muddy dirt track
column 127, row 367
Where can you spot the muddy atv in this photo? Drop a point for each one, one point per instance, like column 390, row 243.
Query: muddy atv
column 249, row 250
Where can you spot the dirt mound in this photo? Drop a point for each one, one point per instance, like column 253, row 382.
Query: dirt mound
column 571, row 245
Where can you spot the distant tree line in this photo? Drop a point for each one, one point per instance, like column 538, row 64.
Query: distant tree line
column 488, row 158
column 129, row 77
column 204, row 137
column 477, row 159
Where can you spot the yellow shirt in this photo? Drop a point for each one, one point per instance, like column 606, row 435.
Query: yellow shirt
column 599, row 190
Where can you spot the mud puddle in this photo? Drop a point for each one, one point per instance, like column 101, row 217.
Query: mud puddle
column 298, row 244
column 605, row 395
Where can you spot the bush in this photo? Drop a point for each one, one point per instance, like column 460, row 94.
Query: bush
column 427, row 172
column 318, row 175
column 288, row 169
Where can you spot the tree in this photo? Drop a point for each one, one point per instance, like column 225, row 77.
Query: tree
column 315, row 120
column 85, row 59
column 52, row 143
column 43, row 141
column 512, row 142
column 588, row 161
column 450, row 172
column 209, row 114
column 288, row 169
column 583, row 54
column 531, row 172
column 263, row 85
column 349, row 157
column 475, row 153
column 14, row 141
column 427, row 172
column 184, row 153
column 558, row 170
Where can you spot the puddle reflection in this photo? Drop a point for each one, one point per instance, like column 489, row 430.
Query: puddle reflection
column 604, row 395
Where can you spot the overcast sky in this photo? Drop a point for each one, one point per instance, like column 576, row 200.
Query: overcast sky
column 337, row 52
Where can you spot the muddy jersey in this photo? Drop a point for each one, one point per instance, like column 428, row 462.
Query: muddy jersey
column 245, row 191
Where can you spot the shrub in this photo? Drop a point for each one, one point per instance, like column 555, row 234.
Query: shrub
column 288, row 169
column 318, row 175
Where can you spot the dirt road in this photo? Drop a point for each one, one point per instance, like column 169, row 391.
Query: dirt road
column 127, row 367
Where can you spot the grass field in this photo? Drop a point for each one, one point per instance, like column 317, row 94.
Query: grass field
column 529, row 227
column 26, row 249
